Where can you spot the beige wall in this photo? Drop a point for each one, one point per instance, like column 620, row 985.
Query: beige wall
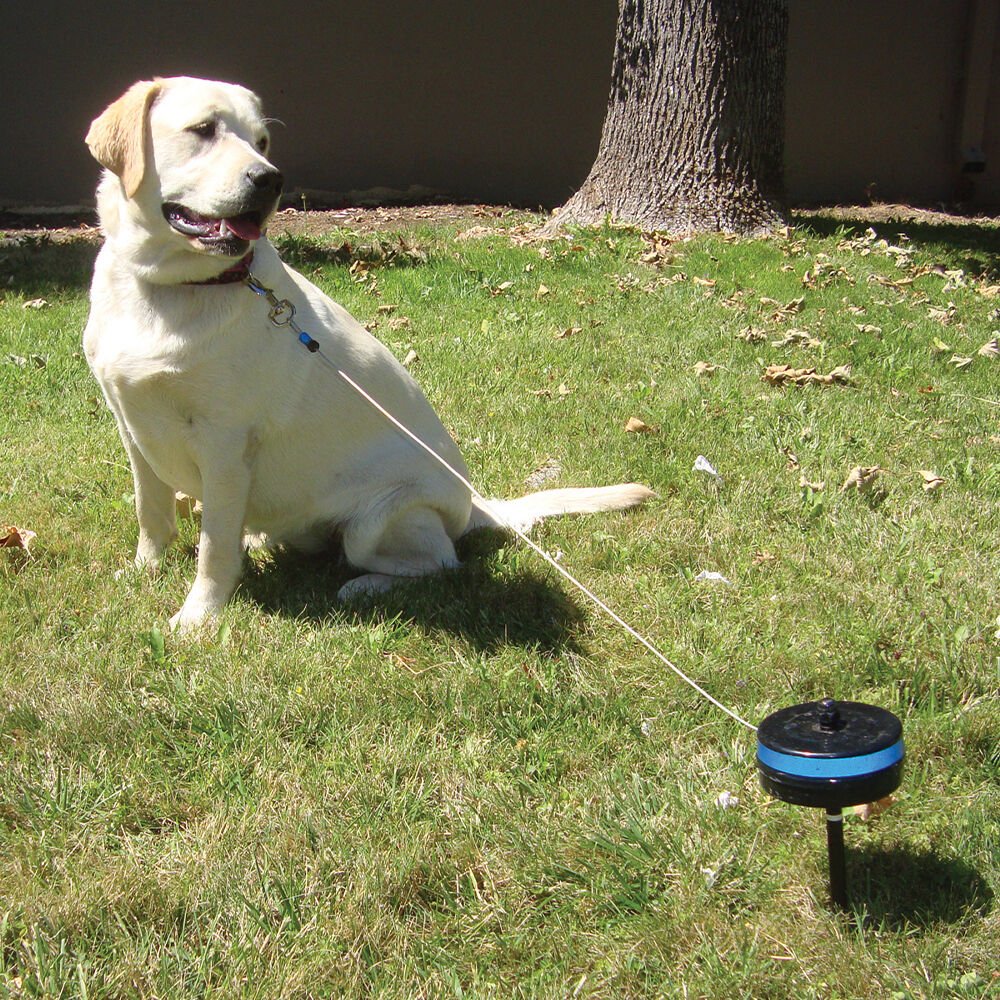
column 874, row 96
column 494, row 101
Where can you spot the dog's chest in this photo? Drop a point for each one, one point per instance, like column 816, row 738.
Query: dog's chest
column 168, row 414
column 179, row 406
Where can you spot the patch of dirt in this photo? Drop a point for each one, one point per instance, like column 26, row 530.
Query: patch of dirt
column 315, row 223
column 82, row 224
column 889, row 213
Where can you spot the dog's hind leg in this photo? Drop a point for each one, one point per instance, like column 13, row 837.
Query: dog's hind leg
column 413, row 542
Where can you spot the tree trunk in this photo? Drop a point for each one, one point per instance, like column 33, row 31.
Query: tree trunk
column 693, row 139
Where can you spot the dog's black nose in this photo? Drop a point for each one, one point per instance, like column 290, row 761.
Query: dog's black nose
column 265, row 179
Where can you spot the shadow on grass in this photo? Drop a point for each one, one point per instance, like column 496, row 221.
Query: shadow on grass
column 902, row 888
column 476, row 603
column 37, row 266
column 37, row 263
column 371, row 250
column 974, row 246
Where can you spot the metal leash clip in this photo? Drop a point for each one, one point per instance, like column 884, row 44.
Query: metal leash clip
column 250, row 280
column 281, row 313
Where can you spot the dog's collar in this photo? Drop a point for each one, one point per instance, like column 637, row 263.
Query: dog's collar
column 238, row 272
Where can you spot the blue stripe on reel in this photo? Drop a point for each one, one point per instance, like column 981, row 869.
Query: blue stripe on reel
column 830, row 767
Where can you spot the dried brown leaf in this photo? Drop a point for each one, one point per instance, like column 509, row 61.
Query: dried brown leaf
column 861, row 478
column 786, row 375
column 797, row 338
column 871, row 810
column 900, row 284
column 782, row 310
column 823, row 272
column 12, row 537
column 932, row 480
column 943, row 314
column 187, row 506
column 658, row 252
column 636, row 426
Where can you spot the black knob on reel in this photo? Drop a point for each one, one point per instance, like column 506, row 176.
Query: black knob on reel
column 830, row 754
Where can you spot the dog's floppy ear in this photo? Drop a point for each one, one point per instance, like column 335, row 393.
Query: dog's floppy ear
column 117, row 139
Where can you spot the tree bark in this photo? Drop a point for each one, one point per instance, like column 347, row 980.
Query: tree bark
column 693, row 139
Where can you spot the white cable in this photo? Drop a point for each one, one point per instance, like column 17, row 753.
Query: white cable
column 540, row 551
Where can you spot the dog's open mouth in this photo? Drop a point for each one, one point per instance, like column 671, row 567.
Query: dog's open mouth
column 245, row 227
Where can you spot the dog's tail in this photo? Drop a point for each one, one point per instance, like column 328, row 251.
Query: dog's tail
column 525, row 511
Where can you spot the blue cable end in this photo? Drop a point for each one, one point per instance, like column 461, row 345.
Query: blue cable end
column 308, row 342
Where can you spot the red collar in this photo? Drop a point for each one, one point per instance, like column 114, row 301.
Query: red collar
column 231, row 275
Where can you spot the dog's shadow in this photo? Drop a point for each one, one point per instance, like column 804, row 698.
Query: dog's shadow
column 483, row 602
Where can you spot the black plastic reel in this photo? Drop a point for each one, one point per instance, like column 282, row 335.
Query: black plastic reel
column 830, row 754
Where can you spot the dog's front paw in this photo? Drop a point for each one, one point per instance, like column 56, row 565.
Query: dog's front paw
column 138, row 567
column 151, row 549
column 192, row 618
column 143, row 563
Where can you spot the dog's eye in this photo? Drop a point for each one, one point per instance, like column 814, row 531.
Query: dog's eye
column 204, row 130
column 262, row 143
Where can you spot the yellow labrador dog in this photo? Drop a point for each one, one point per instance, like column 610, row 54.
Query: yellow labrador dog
column 212, row 400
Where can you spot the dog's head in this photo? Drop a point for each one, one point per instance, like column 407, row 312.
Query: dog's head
column 188, row 167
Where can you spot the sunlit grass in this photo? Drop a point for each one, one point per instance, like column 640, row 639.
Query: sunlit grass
column 480, row 786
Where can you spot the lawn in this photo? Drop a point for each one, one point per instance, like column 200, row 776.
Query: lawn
column 480, row 786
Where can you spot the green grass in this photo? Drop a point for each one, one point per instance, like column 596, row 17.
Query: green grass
column 480, row 787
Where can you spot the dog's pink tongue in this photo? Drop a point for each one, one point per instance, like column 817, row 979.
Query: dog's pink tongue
column 244, row 227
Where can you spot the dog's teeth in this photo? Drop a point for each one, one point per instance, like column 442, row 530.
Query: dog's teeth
column 223, row 229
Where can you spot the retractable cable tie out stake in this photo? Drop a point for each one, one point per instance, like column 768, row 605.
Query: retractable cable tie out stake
column 824, row 754
column 831, row 754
